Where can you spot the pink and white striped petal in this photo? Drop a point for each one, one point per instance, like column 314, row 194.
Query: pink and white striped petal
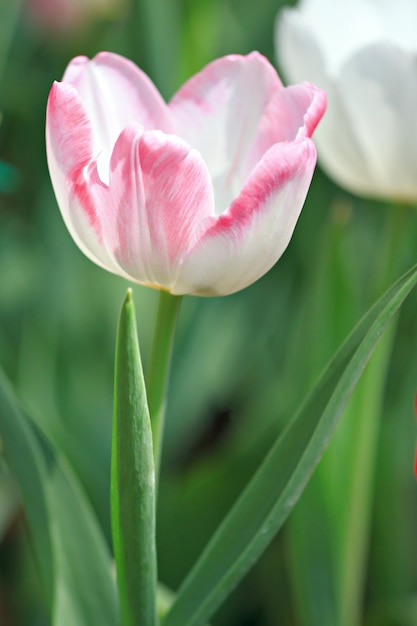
column 70, row 145
column 159, row 192
column 116, row 94
column 238, row 247
column 234, row 110
column 142, row 223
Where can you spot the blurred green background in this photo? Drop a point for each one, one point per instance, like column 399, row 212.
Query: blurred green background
column 242, row 363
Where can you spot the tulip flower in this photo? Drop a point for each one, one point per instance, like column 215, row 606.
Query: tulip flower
column 198, row 196
column 364, row 54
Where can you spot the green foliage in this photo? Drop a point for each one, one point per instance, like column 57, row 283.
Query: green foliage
column 270, row 496
column 63, row 528
column 133, row 481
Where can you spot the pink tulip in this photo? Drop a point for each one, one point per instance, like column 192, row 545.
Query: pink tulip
column 200, row 196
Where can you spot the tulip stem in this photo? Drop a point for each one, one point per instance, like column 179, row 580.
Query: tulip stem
column 159, row 368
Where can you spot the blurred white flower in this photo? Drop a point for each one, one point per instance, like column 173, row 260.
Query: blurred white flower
column 363, row 53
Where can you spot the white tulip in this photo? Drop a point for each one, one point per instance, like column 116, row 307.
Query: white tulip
column 363, row 53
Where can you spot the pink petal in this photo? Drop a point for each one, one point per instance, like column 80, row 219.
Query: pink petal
column 116, row 94
column 234, row 110
column 159, row 191
column 69, row 145
column 238, row 247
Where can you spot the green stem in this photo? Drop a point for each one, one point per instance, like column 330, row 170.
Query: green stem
column 159, row 368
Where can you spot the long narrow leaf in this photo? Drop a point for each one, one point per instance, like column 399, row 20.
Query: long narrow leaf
column 133, row 481
column 270, row 496
column 85, row 583
column 28, row 467
column 69, row 546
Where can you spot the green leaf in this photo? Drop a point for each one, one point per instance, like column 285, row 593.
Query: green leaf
column 329, row 530
column 72, row 556
column 133, row 481
column 27, row 465
column 85, row 584
column 270, row 496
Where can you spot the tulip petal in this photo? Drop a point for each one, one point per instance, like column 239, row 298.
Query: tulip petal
column 364, row 55
column 241, row 102
column 385, row 122
column 69, row 142
column 342, row 28
column 238, row 247
column 368, row 133
column 159, row 192
column 301, row 56
column 116, row 94
column 335, row 25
